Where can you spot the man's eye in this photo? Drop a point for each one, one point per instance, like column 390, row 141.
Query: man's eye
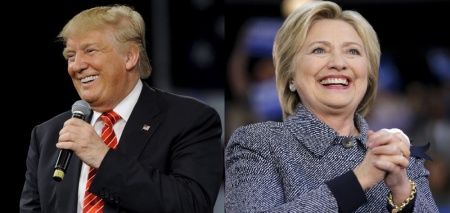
column 70, row 57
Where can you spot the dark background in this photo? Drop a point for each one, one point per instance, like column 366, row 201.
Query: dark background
column 179, row 35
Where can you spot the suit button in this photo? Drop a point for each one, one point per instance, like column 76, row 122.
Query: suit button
column 347, row 143
column 116, row 200
column 106, row 195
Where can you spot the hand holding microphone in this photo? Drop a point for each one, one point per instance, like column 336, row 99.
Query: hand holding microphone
column 81, row 110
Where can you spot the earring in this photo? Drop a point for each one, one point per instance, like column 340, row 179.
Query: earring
column 292, row 86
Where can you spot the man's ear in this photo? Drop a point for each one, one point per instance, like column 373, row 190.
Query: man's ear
column 132, row 57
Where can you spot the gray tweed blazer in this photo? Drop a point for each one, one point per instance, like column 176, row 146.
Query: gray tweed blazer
column 303, row 165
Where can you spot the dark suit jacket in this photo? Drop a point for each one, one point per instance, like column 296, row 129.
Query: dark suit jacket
column 175, row 166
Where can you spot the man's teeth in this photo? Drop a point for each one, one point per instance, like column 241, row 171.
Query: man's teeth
column 89, row 78
column 328, row 81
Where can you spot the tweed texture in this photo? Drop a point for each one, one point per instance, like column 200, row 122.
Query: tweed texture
column 283, row 166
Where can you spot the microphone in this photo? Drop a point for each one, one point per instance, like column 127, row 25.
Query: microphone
column 81, row 110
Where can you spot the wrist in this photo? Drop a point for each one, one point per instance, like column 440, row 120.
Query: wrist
column 401, row 206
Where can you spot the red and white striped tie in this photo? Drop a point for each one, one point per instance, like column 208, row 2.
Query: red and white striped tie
column 92, row 203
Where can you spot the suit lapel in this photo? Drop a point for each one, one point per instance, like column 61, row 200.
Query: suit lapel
column 143, row 122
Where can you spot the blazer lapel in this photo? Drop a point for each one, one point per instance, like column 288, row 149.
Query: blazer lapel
column 143, row 122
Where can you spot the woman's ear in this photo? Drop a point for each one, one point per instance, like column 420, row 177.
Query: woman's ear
column 292, row 86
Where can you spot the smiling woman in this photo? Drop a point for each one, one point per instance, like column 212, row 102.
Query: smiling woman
column 323, row 155
column 332, row 53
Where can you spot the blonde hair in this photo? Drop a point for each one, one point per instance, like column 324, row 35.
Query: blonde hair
column 290, row 38
column 128, row 26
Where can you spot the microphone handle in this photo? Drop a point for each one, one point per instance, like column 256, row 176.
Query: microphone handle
column 62, row 163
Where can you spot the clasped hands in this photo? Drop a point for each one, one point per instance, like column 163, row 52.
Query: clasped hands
column 387, row 158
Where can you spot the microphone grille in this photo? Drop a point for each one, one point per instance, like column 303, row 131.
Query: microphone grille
column 81, row 106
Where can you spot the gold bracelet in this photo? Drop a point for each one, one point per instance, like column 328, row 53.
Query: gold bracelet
column 396, row 208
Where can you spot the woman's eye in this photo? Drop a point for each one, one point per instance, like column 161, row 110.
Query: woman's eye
column 354, row 52
column 318, row 51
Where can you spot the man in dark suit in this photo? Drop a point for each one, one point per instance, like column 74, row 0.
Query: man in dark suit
column 169, row 155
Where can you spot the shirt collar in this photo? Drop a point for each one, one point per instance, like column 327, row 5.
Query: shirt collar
column 318, row 136
column 125, row 107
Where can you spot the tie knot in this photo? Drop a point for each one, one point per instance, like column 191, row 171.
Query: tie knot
column 110, row 117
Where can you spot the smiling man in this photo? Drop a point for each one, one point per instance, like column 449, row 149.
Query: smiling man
column 168, row 156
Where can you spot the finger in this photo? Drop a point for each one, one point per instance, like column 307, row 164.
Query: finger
column 403, row 144
column 63, row 144
column 379, row 138
column 405, row 150
column 393, row 149
column 402, row 139
column 385, row 137
column 398, row 133
column 391, row 164
column 66, row 139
